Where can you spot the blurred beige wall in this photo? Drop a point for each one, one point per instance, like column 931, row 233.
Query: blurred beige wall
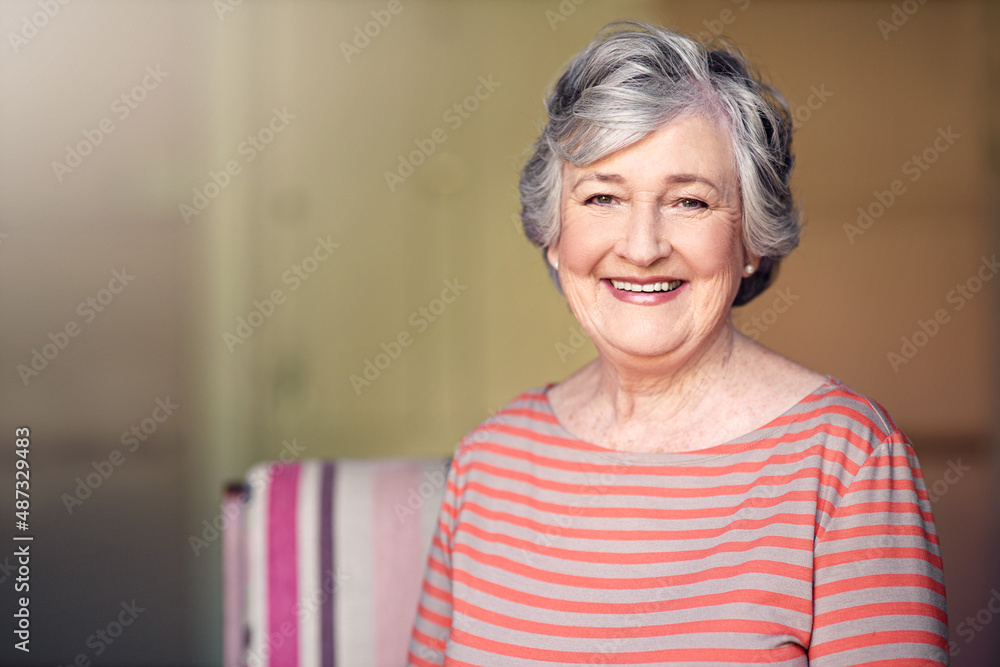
column 360, row 261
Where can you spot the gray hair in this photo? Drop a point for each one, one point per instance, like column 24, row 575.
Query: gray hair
column 631, row 80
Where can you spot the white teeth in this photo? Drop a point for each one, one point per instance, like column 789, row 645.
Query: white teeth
column 652, row 287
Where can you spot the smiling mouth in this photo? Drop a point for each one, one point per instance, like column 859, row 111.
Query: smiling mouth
column 651, row 287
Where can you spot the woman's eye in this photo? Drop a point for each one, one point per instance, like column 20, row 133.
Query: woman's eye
column 692, row 203
column 602, row 200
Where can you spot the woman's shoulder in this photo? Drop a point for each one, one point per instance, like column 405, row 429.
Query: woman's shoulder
column 836, row 397
column 526, row 418
column 830, row 400
column 846, row 420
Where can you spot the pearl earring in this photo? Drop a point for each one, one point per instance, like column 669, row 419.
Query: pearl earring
column 555, row 265
column 749, row 268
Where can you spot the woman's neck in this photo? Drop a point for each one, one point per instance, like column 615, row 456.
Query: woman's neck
column 678, row 404
column 673, row 404
column 669, row 389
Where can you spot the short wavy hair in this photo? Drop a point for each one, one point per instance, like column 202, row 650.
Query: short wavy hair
column 631, row 80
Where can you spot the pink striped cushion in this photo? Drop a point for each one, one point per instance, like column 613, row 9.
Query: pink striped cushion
column 328, row 568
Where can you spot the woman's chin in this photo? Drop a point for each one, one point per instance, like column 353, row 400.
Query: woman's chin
column 652, row 345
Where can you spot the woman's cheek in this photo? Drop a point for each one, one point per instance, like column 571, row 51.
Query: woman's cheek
column 585, row 241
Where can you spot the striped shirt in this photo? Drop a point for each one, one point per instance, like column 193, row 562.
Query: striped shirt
column 809, row 541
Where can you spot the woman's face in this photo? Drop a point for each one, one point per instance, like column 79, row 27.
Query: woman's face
column 663, row 215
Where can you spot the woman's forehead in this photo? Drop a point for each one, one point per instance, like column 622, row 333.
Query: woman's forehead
column 693, row 149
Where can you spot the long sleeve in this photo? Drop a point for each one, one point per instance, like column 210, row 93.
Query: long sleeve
column 433, row 621
column 879, row 596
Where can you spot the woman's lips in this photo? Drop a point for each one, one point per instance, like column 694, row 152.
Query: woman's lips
column 645, row 298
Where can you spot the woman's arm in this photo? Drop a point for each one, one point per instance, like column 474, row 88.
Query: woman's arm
column 878, row 582
column 433, row 622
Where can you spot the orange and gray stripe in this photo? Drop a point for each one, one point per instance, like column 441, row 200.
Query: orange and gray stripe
column 808, row 541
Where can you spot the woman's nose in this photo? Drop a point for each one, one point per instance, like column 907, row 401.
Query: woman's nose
column 644, row 240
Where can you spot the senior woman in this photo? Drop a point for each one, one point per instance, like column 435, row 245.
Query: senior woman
column 689, row 497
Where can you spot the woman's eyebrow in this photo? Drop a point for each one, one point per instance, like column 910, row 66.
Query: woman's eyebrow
column 673, row 179
column 597, row 176
column 681, row 179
